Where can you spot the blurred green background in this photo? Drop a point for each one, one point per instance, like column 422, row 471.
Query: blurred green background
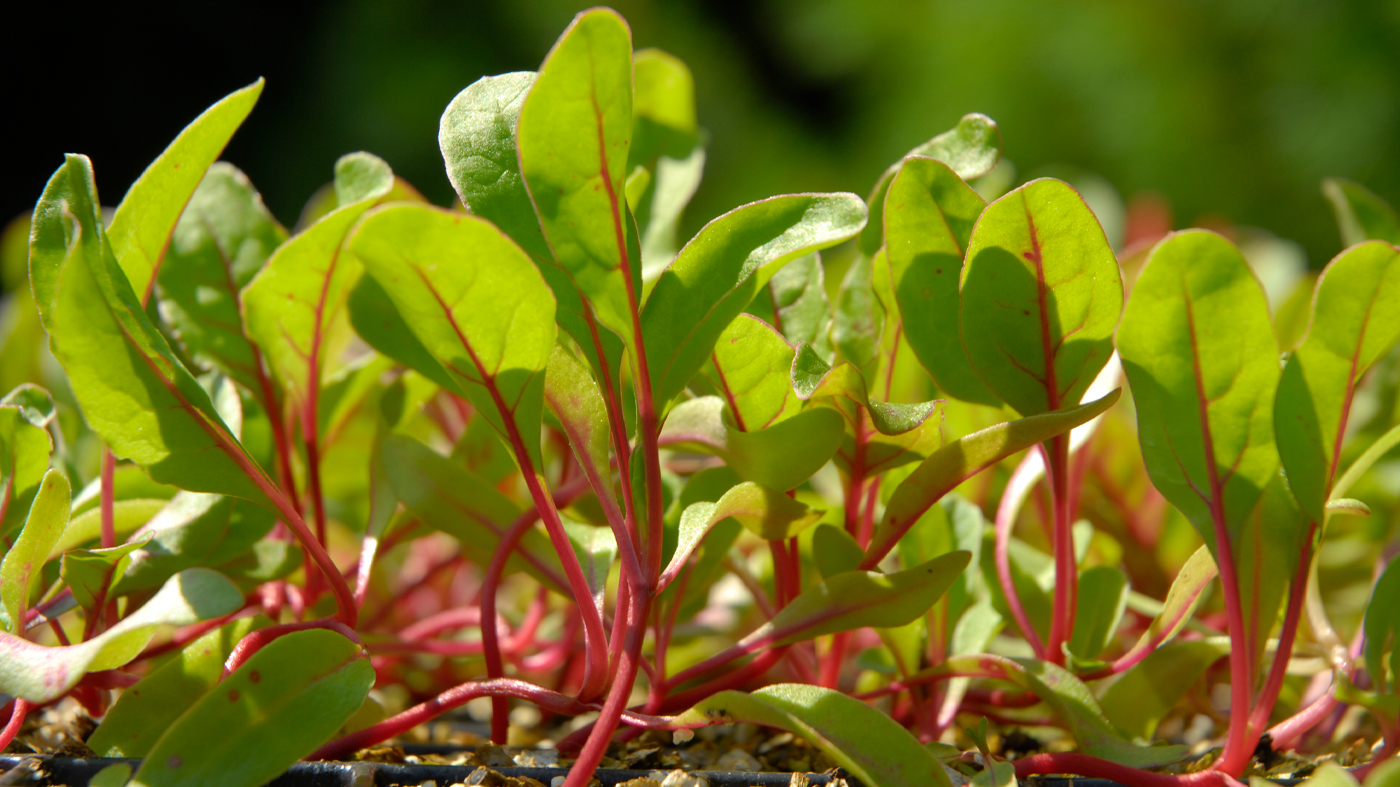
column 1230, row 110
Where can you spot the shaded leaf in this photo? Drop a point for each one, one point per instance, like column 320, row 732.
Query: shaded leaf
column 956, row 462
column 800, row 307
column 929, row 214
column 286, row 700
column 1145, row 694
column 779, row 457
column 1361, row 215
column 145, row 711
column 1102, row 599
column 90, row 573
column 1381, row 625
column 835, row 551
column 866, row 742
column 224, row 236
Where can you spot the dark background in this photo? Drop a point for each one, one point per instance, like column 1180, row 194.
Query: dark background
column 1231, row 110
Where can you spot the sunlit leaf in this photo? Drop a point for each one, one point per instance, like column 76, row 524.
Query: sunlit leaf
column 768, row 513
column 1041, row 296
column 23, row 565
column 24, row 457
column 40, row 674
column 749, row 367
column 779, row 457
column 1355, row 322
column 141, row 228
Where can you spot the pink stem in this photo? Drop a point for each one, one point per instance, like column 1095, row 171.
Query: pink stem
column 1095, row 768
column 261, row 638
column 616, row 703
column 1264, row 703
column 1066, row 567
column 20, row 709
column 1005, row 519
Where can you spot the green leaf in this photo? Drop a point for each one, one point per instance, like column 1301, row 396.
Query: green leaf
column 34, row 402
column 1355, row 322
column 131, row 388
column 1075, row 705
column 224, row 236
column 970, row 149
column 663, row 108
column 769, row 514
column 866, row 742
column 477, row 138
column 574, row 134
column 779, row 457
column 147, row 215
column 956, row 462
column 1103, row 597
column 115, row 775
column 145, row 711
column 41, row 674
column 1266, row 554
column 1202, row 361
column 1361, row 215
column 286, row 700
column 267, row 560
column 127, row 516
column 1187, row 591
column 24, row 457
column 800, row 307
column 596, row 549
column 573, row 397
column 184, row 532
column 720, row 270
column 859, row 317
column 929, row 214
column 24, row 562
column 835, row 551
column 294, row 308
column 476, row 303
column 1041, row 296
column 813, row 379
column 1145, row 694
column 378, row 322
column 749, row 367
column 451, row 499
column 1381, row 625
column 856, row 599
column 91, row 573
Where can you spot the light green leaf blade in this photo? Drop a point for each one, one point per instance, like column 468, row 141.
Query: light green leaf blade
column 23, row 565
column 24, row 458
column 596, row 549
column 574, row 398
column 295, row 308
column 286, row 700
column 131, row 388
column 801, row 309
column 956, row 462
column 1381, row 625
column 929, row 214
column 1145, row 694
column 1187, row 591
column 856, row 599
column 779, row 457
column 749, row 367
column 1202, row 361
column 1041, row 296
column 147, row 215
column 1103, row 597
column 476, row 303
column 143, row 713
column 835, row 551
column 813, row 379
column 574, row 134
column 721, row 269
column 1361, row 215
column 90, row 573
column 40, row 674
column 1355, row 322
column 863, row 740
column 767, row 513
column 971, row 149
column 221, row 242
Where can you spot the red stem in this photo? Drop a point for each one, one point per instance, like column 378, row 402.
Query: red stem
column 616, row 703
column 19, row 709
column 1066, row 567
column 500, row 705
column 1095, row 768
column 257, row 640
column 1005, row 520
column 1264, row 703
